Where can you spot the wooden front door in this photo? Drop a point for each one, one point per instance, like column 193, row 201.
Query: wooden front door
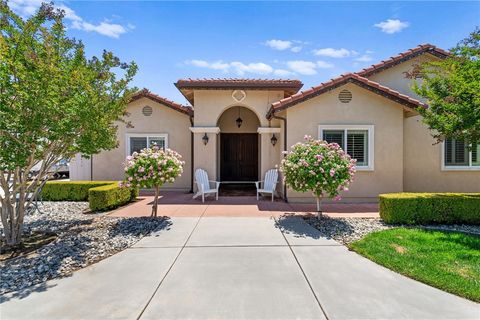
column 239, row 156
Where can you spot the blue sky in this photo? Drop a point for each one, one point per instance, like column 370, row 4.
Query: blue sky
column 310, row 41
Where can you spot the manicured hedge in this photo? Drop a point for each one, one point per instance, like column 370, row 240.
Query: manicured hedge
column 70, row 190
column 101, row 195
column 430, row 208
column 110, row 196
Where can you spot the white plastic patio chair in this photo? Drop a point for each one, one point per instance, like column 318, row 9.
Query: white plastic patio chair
column 203, row 185
column 269, row 184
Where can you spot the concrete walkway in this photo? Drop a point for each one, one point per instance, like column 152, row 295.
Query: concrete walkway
column 236, row 268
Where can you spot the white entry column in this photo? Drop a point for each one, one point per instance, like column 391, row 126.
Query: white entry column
column 205, row 149
column 270, row 154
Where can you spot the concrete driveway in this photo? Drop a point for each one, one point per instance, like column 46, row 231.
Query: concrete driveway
column 236, row 268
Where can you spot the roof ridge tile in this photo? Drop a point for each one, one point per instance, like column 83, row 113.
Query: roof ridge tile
column 304, row 95
column 384, row 64
column 145, row 93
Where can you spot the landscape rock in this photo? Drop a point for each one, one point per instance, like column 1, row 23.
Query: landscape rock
column 82, row 239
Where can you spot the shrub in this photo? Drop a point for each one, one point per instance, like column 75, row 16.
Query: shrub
column 101, row 195
column 435, row 208
column 319, row 167
column 70, row 190
column 110, row 196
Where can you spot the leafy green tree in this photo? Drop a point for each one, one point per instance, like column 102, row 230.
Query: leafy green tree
column 54, row 103
column 452, row 89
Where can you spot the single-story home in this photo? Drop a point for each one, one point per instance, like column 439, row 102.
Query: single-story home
column 236, row 129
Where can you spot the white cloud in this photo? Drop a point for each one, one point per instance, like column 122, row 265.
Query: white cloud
column 258, row 68
column 302, row 67
column 334, row 53
column 296, row 49
column 324, row 64
column 26, row 8
column 217, row 65
column 239, row 68
column 283, row 73
column 69, row 13
column 364, row 58
column 278, row 44
column 391, row 26
column 107, row 29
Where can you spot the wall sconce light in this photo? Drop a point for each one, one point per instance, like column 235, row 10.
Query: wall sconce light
column 273, row 140
column 205, row 139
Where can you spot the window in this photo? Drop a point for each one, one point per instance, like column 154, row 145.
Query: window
column 458, row 155
column 137, row 142
column 354, row 140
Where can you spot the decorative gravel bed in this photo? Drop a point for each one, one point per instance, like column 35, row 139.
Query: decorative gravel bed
column 347, row 230
column 82, row 239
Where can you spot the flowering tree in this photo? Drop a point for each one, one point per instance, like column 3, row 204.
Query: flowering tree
column 151, row 168
column 319, row 167
column 54, row 103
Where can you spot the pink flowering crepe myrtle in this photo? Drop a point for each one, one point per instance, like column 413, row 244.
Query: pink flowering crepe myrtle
column 151, row 168
column 318, row 167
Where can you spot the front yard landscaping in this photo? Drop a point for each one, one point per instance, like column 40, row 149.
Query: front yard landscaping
column 447, row 260
column 77, row 239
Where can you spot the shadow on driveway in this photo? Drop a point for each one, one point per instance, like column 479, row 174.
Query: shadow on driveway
column 81, row 242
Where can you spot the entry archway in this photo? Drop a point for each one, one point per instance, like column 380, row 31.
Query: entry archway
column 239, row 145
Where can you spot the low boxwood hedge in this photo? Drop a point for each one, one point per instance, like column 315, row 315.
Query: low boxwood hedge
column 430, row 208
column 101, row 195
column 70, row 190
column 110, row 196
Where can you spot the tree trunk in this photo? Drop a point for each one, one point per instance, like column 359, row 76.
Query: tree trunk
column 12, row 221
column 319, row 211
column 155, row 202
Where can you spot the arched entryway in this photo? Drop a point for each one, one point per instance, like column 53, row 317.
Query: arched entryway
column 238, row 145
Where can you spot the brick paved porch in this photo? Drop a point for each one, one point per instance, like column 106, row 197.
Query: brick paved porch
column 179, row 204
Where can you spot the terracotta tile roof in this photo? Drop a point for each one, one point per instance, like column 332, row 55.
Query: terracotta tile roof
column 235, row 83
column 186, row 86
column 145, row 93
column 337, row 82
column 402, row 57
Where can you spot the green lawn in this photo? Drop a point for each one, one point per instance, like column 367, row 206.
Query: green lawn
column 447, row 260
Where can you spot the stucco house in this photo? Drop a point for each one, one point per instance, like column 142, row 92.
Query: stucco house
column 236, row 129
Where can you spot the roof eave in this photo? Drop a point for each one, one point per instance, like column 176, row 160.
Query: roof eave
column 411, row 105
column 144, row 93
column 403, row 57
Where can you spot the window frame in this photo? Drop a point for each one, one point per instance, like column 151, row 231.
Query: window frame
column 346, row 127
column 143, row 135
column 469, row 167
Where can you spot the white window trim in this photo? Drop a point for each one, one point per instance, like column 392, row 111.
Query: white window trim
column 143, row 135
column 371, row 140
column 470, row 167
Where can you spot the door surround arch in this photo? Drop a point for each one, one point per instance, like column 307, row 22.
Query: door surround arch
column 238, row 149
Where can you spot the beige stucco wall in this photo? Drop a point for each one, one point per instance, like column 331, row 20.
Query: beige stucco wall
column 366, row 108
column 210, row 104
column 108, row 165
column 217, row 108
column 423, row 164
column 395, row 78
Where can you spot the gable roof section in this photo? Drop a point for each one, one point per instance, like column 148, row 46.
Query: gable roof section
column 402, row 57
column 145, row 93
column 187, row 86
column 340, row 81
